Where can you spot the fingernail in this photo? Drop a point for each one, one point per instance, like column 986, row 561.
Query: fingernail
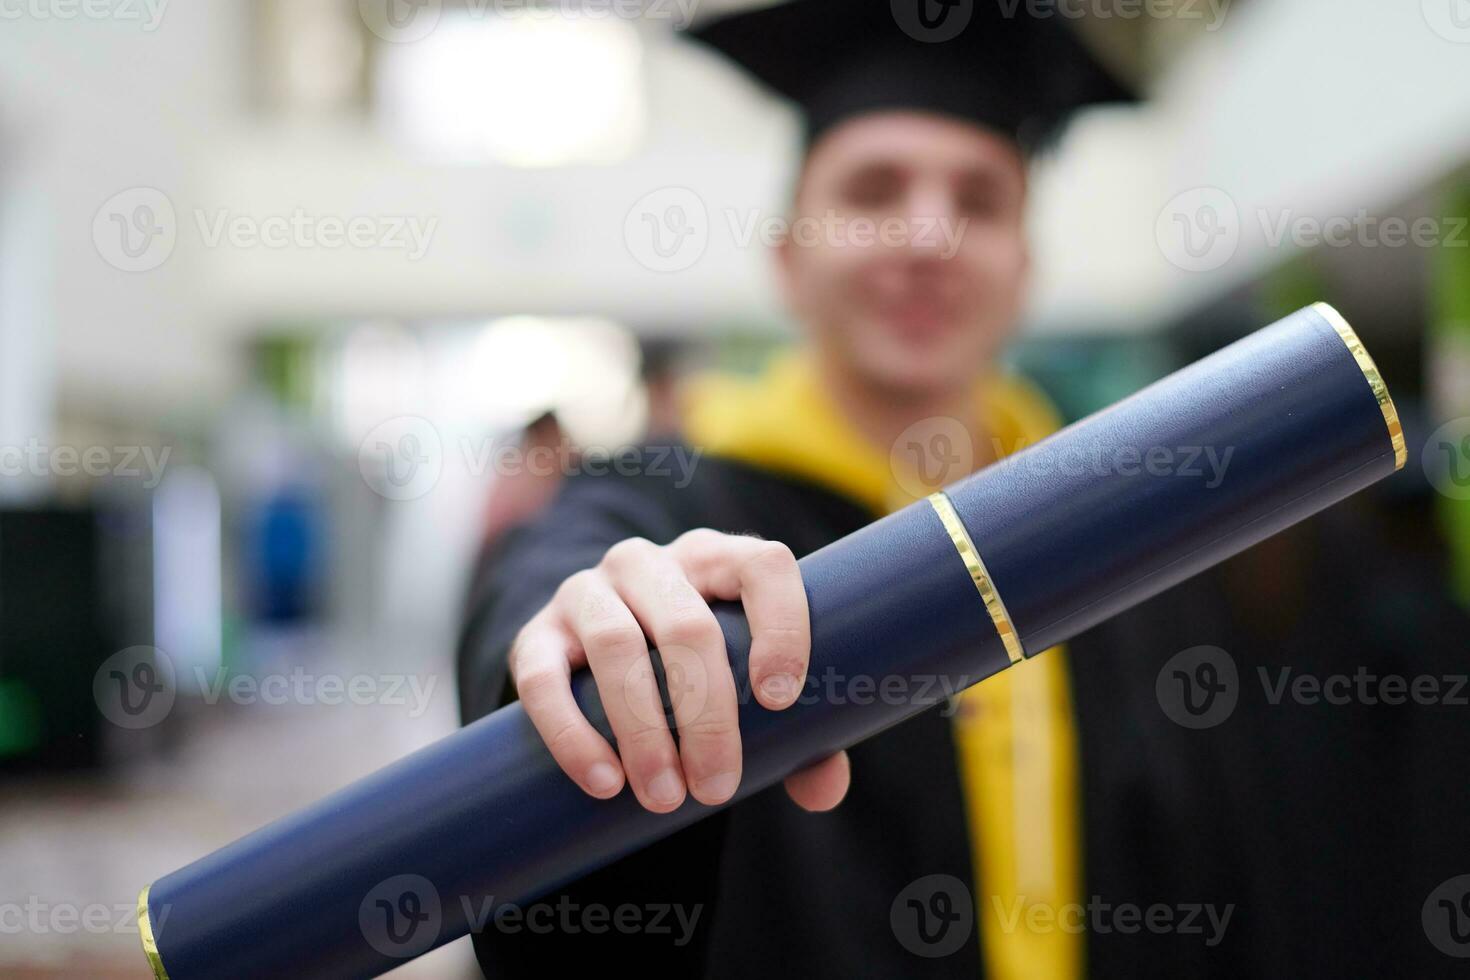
column 665, row 787
column 719, row 787
column 602, row 778
column 779, row 688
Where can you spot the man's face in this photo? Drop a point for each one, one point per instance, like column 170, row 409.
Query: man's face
column 907, row 255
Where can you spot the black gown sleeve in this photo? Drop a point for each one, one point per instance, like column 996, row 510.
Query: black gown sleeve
column 653, row 904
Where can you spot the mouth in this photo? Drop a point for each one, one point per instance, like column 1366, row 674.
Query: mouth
column 918, row 318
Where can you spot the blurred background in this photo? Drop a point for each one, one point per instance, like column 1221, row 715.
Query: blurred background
column 290, row 288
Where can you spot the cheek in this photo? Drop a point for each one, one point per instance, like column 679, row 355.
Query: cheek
column 828, row 280
column 994, row 267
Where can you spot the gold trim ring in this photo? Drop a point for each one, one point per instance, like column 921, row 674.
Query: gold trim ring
column 1375, row 380
column 971, row 556
column 145, row 931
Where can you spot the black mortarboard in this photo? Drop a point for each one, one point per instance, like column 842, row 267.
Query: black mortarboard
column 987, row 61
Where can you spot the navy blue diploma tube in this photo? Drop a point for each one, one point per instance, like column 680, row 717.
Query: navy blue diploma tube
column 1000, row 566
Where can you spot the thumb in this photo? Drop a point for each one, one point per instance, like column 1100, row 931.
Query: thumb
column 822, row 785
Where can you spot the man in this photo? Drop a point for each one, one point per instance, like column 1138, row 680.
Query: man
column 929, row 140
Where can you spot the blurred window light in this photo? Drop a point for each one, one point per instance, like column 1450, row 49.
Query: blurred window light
column 583, row 368
column 311, row 57
column 187, row 590
column 374, row 374
column 531, row 88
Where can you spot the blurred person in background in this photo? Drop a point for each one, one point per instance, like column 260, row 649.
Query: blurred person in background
column 1057, row 795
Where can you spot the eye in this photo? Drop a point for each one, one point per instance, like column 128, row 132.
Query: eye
column 874, row 187
column 979, row 198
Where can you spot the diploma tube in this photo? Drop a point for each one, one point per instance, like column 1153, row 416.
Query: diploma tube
column 996, row 568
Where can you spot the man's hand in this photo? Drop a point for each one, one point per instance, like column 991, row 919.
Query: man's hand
column 600, row 616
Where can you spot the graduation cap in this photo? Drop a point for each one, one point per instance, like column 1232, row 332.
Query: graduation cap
column 985, row 61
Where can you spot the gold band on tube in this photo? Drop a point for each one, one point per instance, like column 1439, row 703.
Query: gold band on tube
column 145, row 931
column 1375, row 380
column 971, row 555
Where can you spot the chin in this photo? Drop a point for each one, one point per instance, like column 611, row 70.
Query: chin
column 919, row 372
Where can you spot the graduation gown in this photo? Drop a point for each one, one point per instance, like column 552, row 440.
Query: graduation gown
column 1264, row 837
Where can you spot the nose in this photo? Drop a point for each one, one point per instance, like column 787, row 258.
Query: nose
column 931, row 207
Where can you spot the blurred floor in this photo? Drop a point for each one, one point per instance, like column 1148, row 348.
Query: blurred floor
column 86, row 841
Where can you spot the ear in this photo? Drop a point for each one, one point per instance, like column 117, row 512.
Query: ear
column 783, row 256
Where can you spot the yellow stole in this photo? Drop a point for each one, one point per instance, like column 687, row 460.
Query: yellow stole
column 1014, row 733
